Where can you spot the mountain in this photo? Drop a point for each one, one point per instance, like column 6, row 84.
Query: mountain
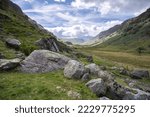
column 131, row 34
column 15, row 24
column 101, row 37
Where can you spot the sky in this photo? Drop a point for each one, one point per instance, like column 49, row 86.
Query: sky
column 82, row 19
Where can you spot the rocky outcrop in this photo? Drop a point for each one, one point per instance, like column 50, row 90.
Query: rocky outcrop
column 13, row 43
column 97, row 86
column 138, row 74
column 6, row 65
column 48, row 44
column 93, row 68
column 40, row 61
column 74, row 69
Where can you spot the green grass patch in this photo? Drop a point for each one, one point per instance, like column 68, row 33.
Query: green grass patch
column 21, row 86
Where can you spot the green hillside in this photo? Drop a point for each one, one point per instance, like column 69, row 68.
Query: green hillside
column 133, row 34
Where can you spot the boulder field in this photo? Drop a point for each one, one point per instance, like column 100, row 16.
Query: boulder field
column 98, row 79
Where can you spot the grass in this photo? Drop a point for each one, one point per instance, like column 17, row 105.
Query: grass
column 21, row 86
column 126, row 59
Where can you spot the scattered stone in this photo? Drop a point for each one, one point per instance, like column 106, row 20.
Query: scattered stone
column 106, row 76
column 41, row 61
column 6, row 65
column 85, row 77
column 140, row 95
column 2, row 56
column 97, row 86
column 74, row 69
column 74, row 95
column 48, row 44
column 138, row 74
column 94, row 69
column 102, row 67
column 104, row 98
column 89, row 59
column 124, row 72
column 13, row 43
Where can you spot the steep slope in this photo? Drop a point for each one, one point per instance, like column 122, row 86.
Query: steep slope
column 101, row 37
column 15, row 24
column 131, row 34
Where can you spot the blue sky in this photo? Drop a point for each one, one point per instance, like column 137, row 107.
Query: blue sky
column 81, row 18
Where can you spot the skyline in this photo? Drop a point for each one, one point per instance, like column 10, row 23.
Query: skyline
column 81, row 18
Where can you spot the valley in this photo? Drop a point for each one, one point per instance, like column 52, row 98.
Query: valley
column 36, row 65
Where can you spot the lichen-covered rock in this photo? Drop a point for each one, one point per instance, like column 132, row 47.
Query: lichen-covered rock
column 85, row 77
column 94, row 69
column 48, row 44
column 40, row 61
column 97, row 86
column 9, row 64
column 74, row 69
column 13, row 43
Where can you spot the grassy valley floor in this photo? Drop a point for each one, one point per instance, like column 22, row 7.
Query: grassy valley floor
column 115, row 58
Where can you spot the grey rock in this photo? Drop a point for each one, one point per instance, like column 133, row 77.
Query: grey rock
column 94, row 69
column 14, row 43
column 89, row 59
column 2, row 56
column 41, row 61
column 124, row 72
column 48, row 44
column 6, row 65
column 116, row 90
column 104, row 98
column 140, row 95
column 74, row 69
column 85, row 77
column 74, row 94
column 106, row 76
column 138, row 74
column 97, row 86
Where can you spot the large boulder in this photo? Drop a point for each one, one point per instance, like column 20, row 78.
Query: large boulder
column 97, row 86
column 74, row 69
column 116, row 90
column 94, row 69
column 40, row 61
column 6, row 65
column 13, row 43
column 48, row 44
column 138, row 74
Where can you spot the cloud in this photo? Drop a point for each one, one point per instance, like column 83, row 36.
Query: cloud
column 81, row 18
column 60, row 0
column 77, row 30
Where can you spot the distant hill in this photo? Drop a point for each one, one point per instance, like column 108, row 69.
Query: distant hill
column 15, row 24
column 131, row 34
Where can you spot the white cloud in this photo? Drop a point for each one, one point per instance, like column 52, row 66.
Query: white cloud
column 88, row 30
column 60, row 0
